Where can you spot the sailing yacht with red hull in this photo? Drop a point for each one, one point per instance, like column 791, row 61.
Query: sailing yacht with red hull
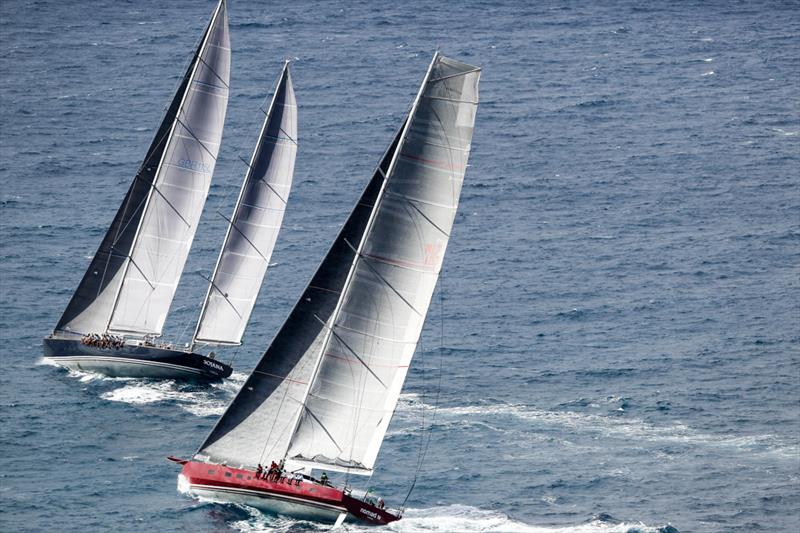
column 322, row 396
column 304, row 499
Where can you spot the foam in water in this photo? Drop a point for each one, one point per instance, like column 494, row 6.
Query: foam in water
column 462, row 518
column 199, row 400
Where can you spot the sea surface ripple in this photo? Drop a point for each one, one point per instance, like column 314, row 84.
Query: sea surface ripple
column 615, row 346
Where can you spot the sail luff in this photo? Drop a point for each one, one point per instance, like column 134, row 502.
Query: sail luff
column 126, row 320
column 271, row 165
column 362, row 240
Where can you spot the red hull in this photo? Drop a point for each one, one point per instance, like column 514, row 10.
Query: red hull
column 221, row 480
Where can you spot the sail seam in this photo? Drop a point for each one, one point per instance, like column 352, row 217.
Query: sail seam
column 282, row 378
column 340, row 339
column 223, row 294
column 457, row 74
column 244, row 236
column 454, row 100
column 378, row 274
column 195, row 137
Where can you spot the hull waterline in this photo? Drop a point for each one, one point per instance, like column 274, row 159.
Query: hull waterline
column 133, row 360
column 306, row 500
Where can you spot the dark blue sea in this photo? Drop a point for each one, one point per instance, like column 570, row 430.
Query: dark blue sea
column 615, row 343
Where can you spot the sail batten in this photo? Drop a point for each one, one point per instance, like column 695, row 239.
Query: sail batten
column 253, row 227
column 104, row 300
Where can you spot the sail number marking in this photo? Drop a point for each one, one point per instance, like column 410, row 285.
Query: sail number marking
column 197, row 166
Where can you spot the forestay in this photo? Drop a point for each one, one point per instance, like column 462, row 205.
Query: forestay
column 253, row 228
column 91, row 306
column 375, row 332
column 324, row 392
column 176, row 198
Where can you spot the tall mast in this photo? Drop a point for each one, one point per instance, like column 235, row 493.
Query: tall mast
column 270, row 168
column 358, row 251
column 175, row 201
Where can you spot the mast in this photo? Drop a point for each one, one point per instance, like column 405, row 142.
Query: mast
column 362, row 240
column 252, row 231
column 379, row 317
column 148, row 289
column 90, row 308
column 324, row 392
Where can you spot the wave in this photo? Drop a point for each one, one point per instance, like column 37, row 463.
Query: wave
column 199, row 400
column 462, row 518
column 629, row 428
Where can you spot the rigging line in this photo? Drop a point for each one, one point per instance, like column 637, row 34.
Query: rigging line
column 418, row 210
column 454, row 75
column 318, row 421
column 235, row 353
column 339, row 338
column 438, row 385
column 287, row 135
column 378, row 274
column 130, row 258
column 195, row 137
column 224, row 294
column 265, row 182
column 161, row 194
column 210, row 68
column 244, row 236
column 183, row 332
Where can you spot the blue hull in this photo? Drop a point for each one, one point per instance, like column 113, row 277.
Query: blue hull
column 132, row 360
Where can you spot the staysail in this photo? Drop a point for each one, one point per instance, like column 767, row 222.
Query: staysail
column 132, row 278
column 324, row 392
column 254, row 226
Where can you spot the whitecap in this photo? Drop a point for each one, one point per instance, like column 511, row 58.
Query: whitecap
column 444, row 519
column 629, row 428
column 200, row 401
column 786, row 133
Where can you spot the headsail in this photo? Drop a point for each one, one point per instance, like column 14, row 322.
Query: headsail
column 324, row 392
column 131, row 280
column 254, row 226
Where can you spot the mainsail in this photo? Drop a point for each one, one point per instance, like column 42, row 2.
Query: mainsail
column 324, row 392
column 132, row 278
column 254, row 226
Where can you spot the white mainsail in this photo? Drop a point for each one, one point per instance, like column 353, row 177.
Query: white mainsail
column 325, row 390
column 178, row 194
column 254, row 226
column 131, row 280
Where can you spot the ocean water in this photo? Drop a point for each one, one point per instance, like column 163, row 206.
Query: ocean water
column 615, row 345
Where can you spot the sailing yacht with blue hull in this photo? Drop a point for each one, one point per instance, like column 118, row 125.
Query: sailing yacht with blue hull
column 112, row 323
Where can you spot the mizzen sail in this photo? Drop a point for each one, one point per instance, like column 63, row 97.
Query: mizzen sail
column 254, row 226
column 325, row 390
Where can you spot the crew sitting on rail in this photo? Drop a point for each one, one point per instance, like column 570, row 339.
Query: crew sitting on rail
column 272, row 475
column 259, row 470
column 324, row 478
column 298, row 478
column 102, row 341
